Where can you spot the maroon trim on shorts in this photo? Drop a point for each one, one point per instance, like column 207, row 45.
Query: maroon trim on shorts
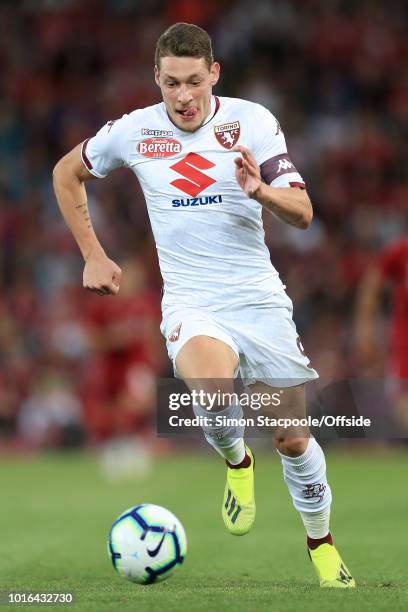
column 294, row 184
column 84, row 156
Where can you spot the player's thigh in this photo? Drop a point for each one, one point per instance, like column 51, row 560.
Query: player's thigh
column 288, row 405
column 207, row 363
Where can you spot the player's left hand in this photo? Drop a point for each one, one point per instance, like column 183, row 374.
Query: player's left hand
column 247, row 171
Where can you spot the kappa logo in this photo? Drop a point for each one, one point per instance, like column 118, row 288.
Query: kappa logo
column 157, row 133
column 159, row 147
column 227, row 134
column 284, row 164
column 195, row 181
column 174, row 335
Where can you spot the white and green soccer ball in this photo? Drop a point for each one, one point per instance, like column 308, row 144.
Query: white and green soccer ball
column 147, row 543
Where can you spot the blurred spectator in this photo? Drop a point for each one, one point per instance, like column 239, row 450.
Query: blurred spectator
column 51, row 415
column 389, row 272
column 126, row 355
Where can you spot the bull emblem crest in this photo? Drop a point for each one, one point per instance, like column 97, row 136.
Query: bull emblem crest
column 227, row 134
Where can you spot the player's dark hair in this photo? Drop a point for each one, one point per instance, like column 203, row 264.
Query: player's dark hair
column 184, row 40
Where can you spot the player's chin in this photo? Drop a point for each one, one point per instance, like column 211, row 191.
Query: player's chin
column 187, row 126
column 190, row 128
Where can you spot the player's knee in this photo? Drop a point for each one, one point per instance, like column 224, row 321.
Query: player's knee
column 215, row 392
column 290, row 446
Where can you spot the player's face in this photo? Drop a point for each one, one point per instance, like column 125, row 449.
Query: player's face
column 186, row 85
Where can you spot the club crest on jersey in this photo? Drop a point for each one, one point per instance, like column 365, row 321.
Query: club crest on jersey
column 227, row 134
column 174, row 335
column 159, row 147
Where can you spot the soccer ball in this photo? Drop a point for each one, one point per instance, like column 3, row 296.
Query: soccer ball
column 147, row 543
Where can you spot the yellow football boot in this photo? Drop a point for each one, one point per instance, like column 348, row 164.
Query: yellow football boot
column 330, row 569
column 238, row 507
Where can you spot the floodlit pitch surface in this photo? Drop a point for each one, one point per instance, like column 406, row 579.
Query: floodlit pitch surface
column 56, row 512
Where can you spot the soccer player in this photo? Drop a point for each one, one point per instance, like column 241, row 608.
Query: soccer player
column 207, row 167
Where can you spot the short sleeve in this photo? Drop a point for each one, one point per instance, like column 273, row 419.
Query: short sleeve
column 104, row 152
column 270, row 152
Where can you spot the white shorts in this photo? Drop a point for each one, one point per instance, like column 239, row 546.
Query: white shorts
column 264, row 339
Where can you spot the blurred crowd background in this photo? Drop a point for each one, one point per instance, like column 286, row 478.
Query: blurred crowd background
column 78, row 368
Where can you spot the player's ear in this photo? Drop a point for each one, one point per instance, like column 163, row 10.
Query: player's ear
column 157, row 75
column 214, row 73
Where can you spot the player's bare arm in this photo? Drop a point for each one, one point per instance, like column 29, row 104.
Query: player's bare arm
column 292, row 205
column 101, row 274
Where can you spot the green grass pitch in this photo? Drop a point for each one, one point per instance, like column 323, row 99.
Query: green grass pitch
column 56, row 512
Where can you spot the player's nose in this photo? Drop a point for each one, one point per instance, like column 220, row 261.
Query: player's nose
column 184, row 95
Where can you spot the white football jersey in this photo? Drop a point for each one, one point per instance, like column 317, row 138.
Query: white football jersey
column 209, row 234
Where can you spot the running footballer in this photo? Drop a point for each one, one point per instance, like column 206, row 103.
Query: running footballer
column 207, row 166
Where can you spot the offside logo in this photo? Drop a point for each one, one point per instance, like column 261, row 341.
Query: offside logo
column 159, row 147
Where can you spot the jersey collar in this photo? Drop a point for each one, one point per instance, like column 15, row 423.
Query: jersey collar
column 215, row 105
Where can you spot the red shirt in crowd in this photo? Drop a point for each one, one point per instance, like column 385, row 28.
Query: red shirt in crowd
column 393, row 265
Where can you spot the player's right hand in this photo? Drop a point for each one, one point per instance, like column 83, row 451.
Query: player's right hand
column 101, row 275
column 247, row 171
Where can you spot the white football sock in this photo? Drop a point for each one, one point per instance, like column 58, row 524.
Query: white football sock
column 227, row 440
column 317, row 524
column 307, row 483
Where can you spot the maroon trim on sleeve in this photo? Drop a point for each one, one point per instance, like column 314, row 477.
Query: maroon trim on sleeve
column 276, row 166
column 295, row 184
column 84, row 156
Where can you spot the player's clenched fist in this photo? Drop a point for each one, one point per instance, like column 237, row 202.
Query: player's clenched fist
column 247, row 171
column 101, row 275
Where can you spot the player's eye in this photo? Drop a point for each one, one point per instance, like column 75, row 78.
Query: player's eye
column 196, row 83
